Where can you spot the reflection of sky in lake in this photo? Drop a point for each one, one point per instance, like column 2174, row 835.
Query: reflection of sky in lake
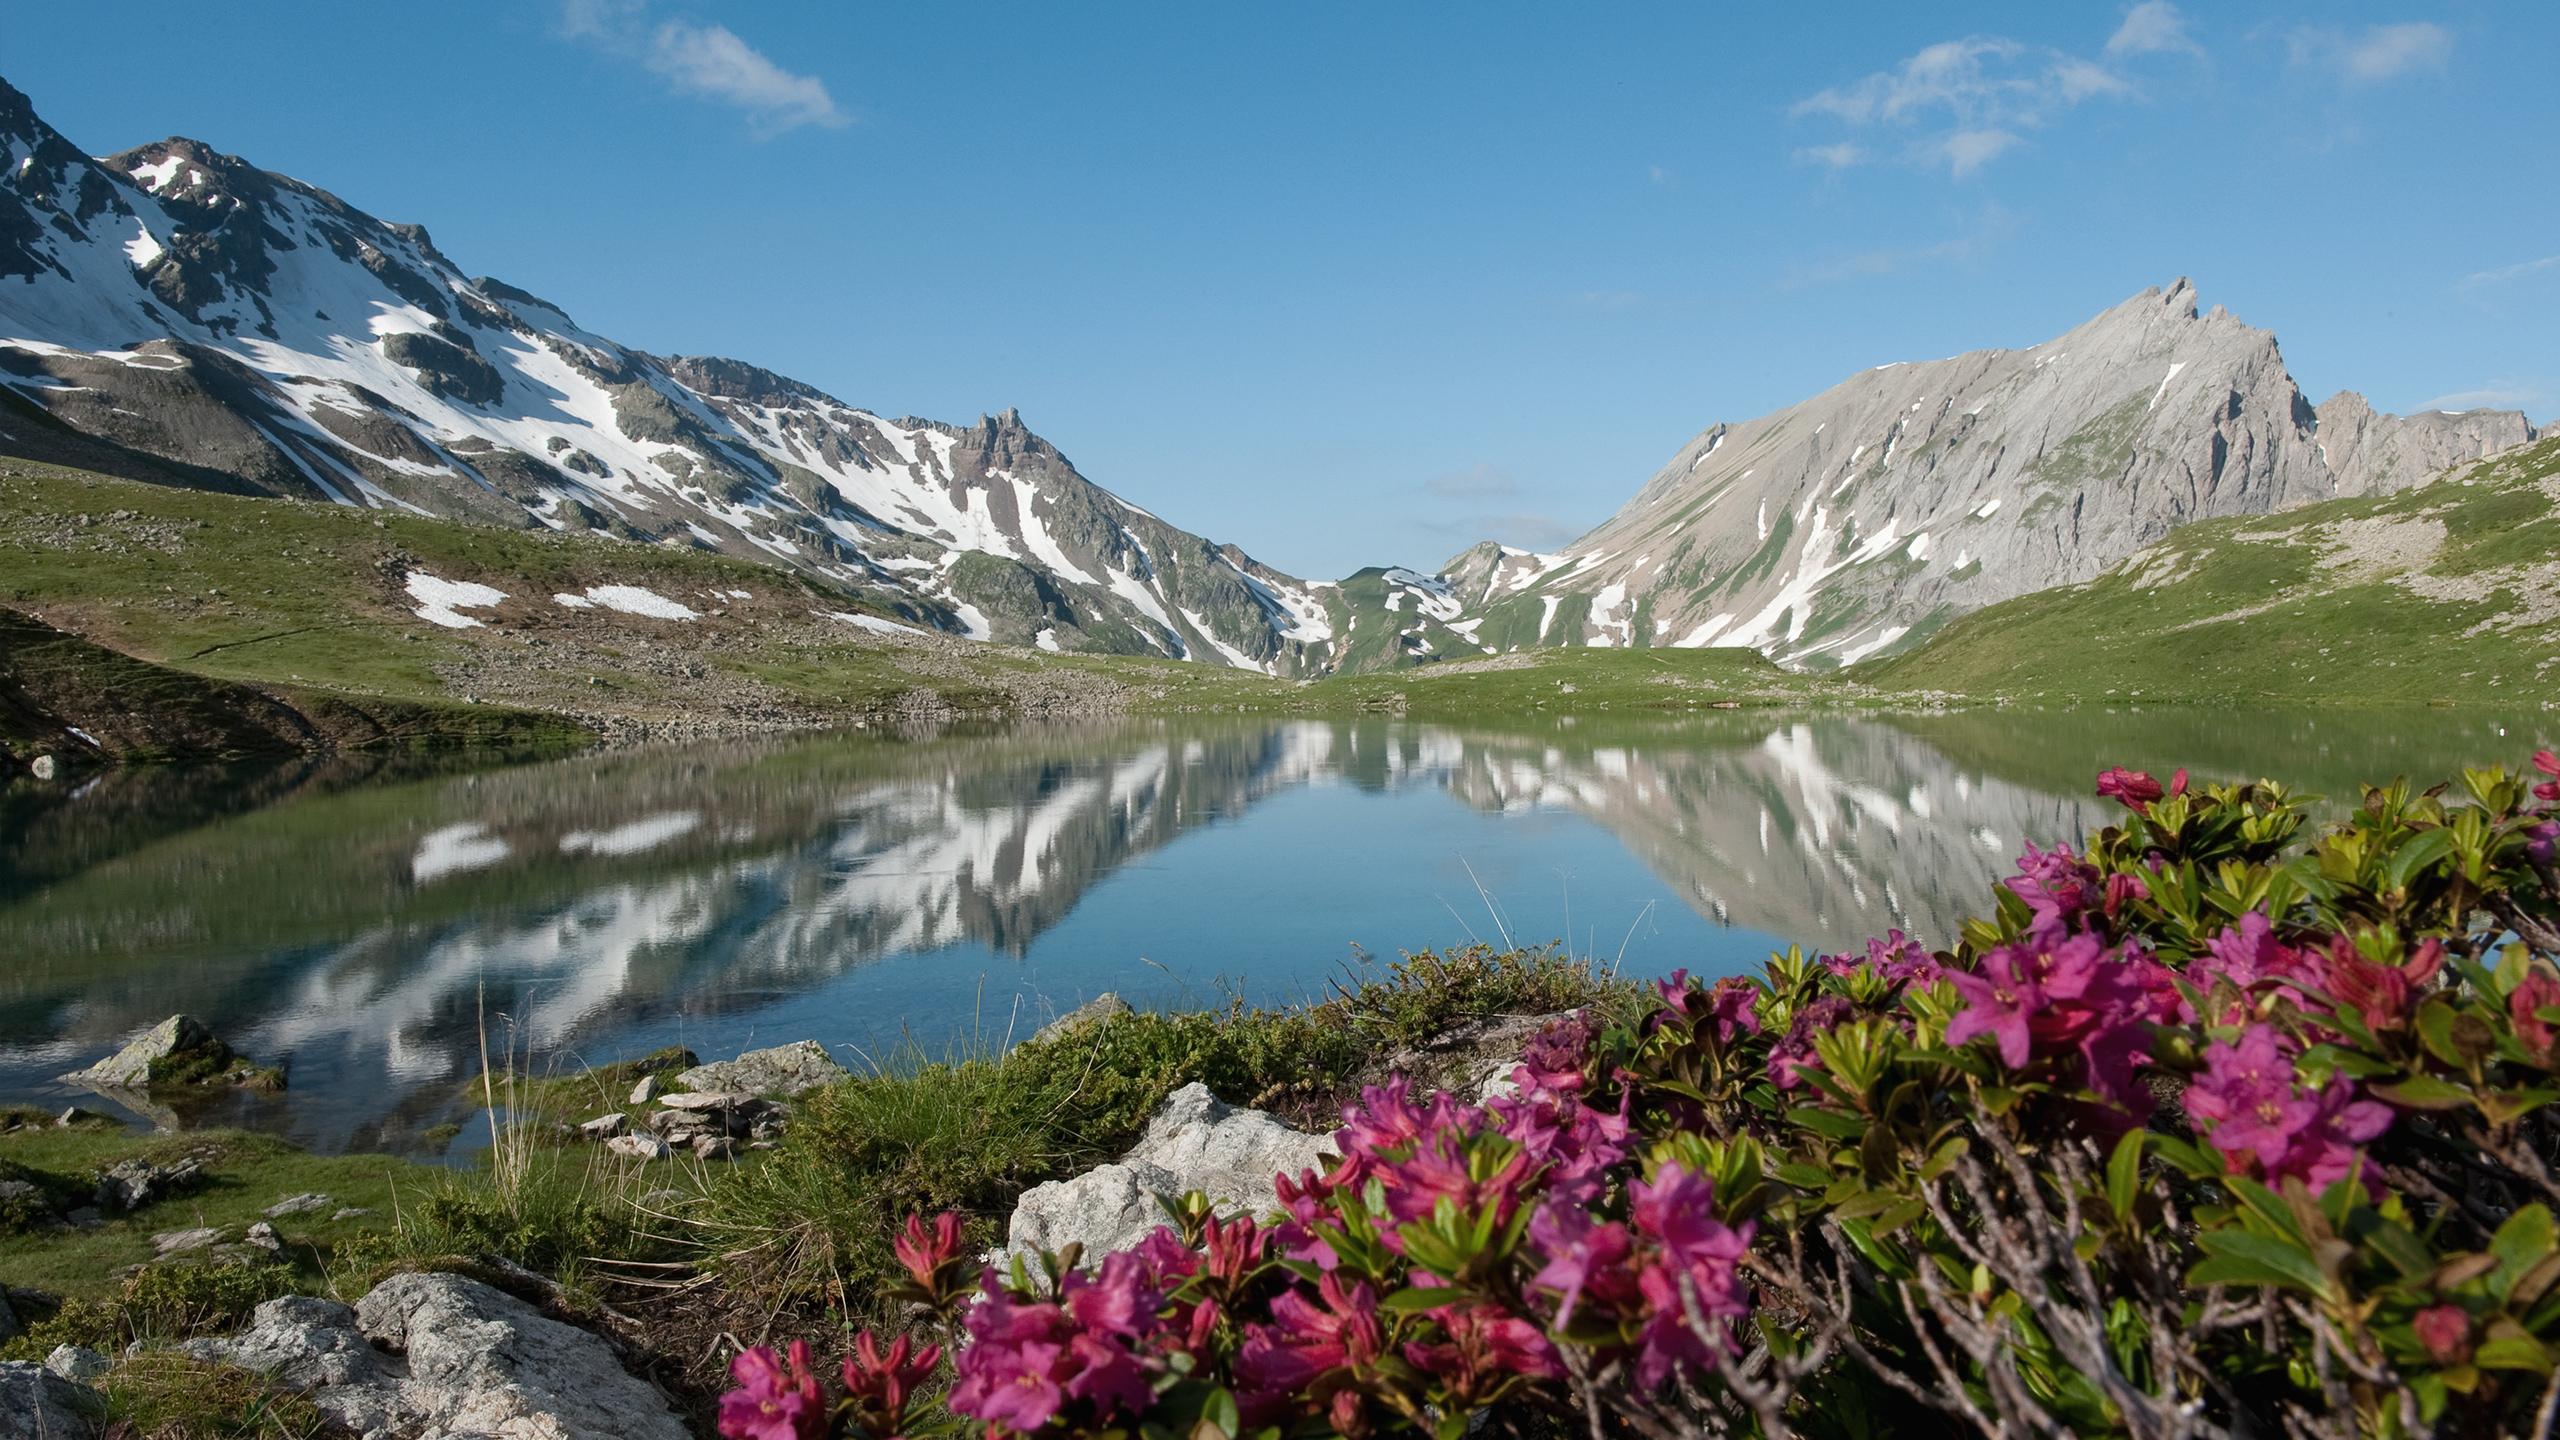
column 868, row 894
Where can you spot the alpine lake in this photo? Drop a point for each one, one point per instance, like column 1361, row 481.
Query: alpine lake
column 385, row 928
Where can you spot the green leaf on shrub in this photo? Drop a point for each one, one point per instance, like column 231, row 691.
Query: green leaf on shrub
column 2241, row 1257
column 2415, row 854
column 2520, row 1244
column 1220, row 1411
column 1828, row 1122
column 2513, row 1352
column 2505, row 1107
column 2435, row 1030
column 1414, row 1299
column 2425, row 1092
column 2124, row 1174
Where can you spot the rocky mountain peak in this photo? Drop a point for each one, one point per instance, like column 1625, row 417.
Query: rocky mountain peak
column 1854, row 523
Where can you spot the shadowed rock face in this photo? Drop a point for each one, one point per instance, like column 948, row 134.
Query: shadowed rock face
column 1853, row 523
column 176, row 314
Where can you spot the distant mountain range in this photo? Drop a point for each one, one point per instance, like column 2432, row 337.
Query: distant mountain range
column 175, row 314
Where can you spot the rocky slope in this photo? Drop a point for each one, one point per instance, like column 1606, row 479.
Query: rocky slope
column 1857, row 522
column 2447, row 591
column 190, row 319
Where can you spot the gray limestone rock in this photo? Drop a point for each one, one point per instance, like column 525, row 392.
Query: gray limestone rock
column 1193, row 1142
column 130, row 1067
column 77, row 1363
column 440, row 1357
column 783, row 1070
column 638, row 1145
column 37, row 1404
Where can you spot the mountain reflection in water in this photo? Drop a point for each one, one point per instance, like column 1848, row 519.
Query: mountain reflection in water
column 873, row 894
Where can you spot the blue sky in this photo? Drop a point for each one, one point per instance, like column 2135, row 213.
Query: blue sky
column 1352, row 284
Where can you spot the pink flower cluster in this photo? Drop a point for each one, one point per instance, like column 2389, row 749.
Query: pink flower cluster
column 2061, row 991
column 1647, row 1274
column 1419, row 1155
column 2254, row 1108
column 779, row 1397
column 1098, row 1345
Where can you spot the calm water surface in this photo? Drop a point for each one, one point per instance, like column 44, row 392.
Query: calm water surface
column 877, row 895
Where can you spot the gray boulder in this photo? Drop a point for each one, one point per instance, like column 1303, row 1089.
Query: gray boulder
column 441, row 1358
column 783, row 1070
column 23, row 1202
column 178, row 1242
column 132, row 1184
column 77, row 1363
column 302, row 1204
column 1194, row 1142
column 315, row 1346
column 36, row 1404
column 1102, row 1009
column 639, row 1145
column 130, row 1067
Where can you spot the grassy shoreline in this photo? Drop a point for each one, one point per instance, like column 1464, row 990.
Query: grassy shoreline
column 687, row 1251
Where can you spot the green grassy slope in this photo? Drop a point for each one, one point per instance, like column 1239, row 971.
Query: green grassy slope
column 293, row 594
column 2448, row 593
column 62, row 695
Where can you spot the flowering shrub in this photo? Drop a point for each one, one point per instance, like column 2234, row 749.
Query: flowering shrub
column 2209, row 1127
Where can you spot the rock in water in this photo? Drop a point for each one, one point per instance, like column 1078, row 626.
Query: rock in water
column 1194, row 1142
column 36, row 1404
column 464, row 1360
column 782, row 1070
column 130, row 1068
column 1102, row 1009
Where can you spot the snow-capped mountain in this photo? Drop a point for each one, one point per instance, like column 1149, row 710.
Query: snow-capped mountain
column 195, row 320
column 1856, row 522
column 176, row 314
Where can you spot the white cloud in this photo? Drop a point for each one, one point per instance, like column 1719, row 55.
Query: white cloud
column 2505, row 273
column 1835, row 157
column 1975, row 99
column 2374, row 54
column 2154, row 27
column 709, row 61
column 2496, row 395
column 1970, row 150
column 1952, row 73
